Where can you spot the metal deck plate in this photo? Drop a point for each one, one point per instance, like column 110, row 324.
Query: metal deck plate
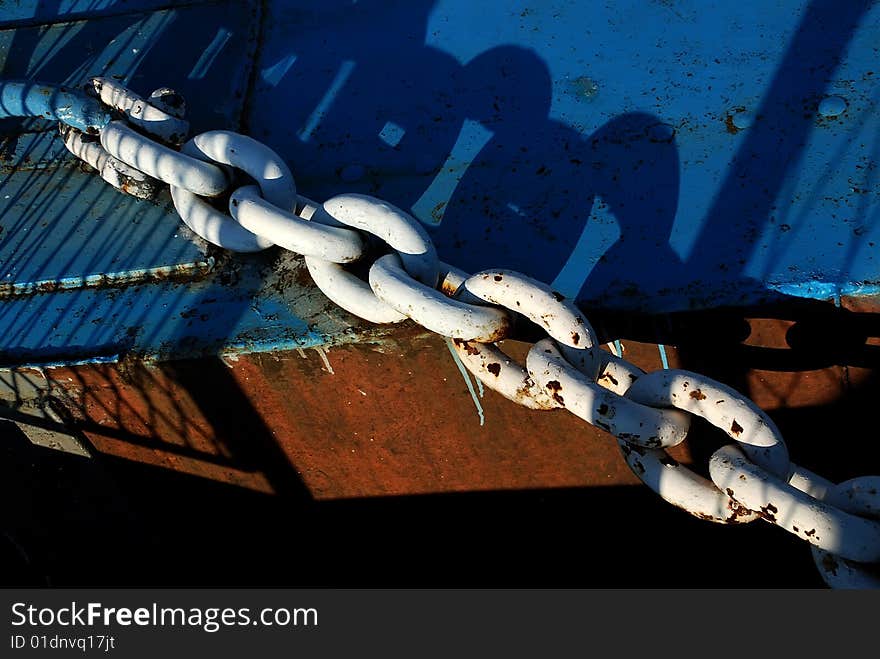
column 67, row 228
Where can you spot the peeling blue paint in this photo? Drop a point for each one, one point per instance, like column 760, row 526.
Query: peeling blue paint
column 24, row 98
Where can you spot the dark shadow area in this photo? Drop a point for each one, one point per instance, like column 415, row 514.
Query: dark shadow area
column 249, row 440
column 116, row 523
column 526, row 197
column 191, row 410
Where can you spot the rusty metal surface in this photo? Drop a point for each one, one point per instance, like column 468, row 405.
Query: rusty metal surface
column 326, row 466
column 357, row 420
column 395, row 416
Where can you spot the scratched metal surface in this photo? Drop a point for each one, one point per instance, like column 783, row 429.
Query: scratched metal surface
column 644, row 156
column 68, row 240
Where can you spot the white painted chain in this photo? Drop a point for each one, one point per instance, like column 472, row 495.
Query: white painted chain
column 159, row 115
column 543, row 306
column 581, row 395
column 859, row 496
column 646, row 412
column 121, row 176
column 725, row 409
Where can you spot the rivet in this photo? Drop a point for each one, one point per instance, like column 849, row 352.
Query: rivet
column 832, row 106
column 742, row 120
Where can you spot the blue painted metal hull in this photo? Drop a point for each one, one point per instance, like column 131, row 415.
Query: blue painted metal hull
column 641, row 156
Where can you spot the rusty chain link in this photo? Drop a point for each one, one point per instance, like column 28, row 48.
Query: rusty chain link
column 646, row 412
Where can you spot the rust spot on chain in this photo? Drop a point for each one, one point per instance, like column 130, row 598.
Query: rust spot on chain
column 556, row 387
column 498, row 277
column 735, row 428
column 575, row 338
column 500, row 333
column 467, row 346
column 559, row 296
column 810, row 533
column 737, row 510
column 494, row 368
column 448, row 288
column 696, row 394
column 769, row 511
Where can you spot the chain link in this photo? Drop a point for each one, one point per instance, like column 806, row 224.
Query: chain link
column 122, row 177
column 251, row 210
column 818, row 522
column 720, row 405
column 165, row 122
column 580, row 394
column 645, row 412
column 543, row 306
column 859, row 496
column 432, row 309
column 26, row 98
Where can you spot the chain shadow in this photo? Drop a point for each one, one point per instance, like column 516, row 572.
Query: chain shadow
column 810, row 364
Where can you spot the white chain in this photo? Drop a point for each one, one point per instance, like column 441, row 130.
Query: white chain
column 749, row 480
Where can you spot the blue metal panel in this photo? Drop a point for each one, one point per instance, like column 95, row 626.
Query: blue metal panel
column 204, row 50
column 45, row 212
column 643, row 155
column 89, row 273
column 648, row 155
column 34, row 12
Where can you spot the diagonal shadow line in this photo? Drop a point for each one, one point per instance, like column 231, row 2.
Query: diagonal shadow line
column 120, row 435
column 779, row 136
column 246, row 434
